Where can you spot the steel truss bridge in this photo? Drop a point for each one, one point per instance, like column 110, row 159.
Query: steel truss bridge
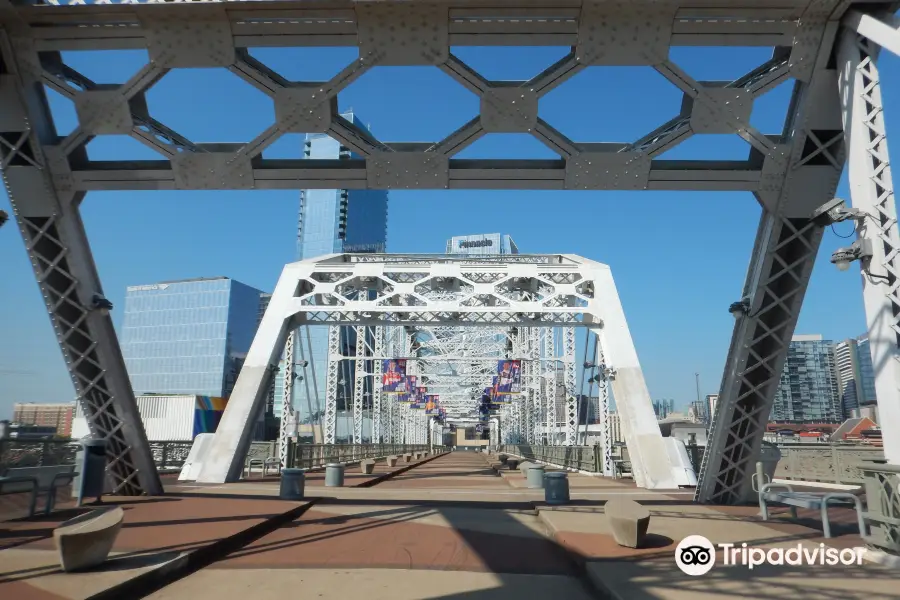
column 827, row 48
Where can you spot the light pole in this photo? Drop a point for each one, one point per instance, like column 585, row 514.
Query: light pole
column 697, row 378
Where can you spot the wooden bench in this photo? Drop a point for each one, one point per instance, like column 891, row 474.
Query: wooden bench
column 37, row 481
column 812, row 500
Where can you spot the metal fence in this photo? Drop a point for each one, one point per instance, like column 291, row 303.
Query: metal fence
column 583, row 458
column 827, row 463
column 168, row 456
column 36, row 453
column 308, row 456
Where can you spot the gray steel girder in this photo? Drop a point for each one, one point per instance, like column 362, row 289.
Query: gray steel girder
column 784, row 252
column 58, row 247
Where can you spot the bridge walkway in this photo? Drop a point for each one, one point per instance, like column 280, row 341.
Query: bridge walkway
column 454, row 527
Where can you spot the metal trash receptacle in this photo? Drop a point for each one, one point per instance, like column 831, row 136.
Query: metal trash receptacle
column 90, row 464
column 535, row 476
column 556, row 488
column 293, row 483
column 334, row 475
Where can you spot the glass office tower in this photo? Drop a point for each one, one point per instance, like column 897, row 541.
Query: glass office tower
column 332, row 221
column 188, row 337
column 857, row 377
column 809, row 390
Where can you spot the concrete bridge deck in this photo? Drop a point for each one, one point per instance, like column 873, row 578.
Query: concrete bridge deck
column 451, row 527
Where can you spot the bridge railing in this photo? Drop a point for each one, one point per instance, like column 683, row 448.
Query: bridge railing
column 583, row 458
column 310, row 456
column 168, row 456
column 827, row 463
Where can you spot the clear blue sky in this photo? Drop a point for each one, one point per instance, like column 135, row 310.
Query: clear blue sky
column 679, row 259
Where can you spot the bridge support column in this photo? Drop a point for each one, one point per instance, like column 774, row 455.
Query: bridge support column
column 47, row 213
column 802, row 178
column 872, row 191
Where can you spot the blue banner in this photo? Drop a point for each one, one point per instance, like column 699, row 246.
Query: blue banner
column 509, row 378
column 393, row 376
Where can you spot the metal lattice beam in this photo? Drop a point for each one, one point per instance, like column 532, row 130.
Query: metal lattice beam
column 791, row 172
column 872, row 191
column 60, row 255
column 340, row 290
column 636, row 33
column 785, row 250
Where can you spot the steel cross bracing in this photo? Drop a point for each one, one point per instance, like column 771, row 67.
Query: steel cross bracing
column 791, row 172
column 216, row 34
column 872, row 191
column 786, row 246
column 345, row 290
column 289, row 417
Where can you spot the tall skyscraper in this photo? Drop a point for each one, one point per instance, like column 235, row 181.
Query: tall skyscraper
column 332, row 221
column 482, row 244
column 189, row 336
column 809, row 390
column 855, row 373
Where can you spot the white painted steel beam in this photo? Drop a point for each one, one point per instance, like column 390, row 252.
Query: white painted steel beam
column 337, row 290
column 872, row 192
column 885, row 33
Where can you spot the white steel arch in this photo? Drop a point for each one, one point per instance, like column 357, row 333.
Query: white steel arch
column 401, row 290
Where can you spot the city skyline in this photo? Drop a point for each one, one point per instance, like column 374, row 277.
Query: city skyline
column 141, row 236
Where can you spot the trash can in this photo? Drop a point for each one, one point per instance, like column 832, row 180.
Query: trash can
column 90, row 464
column 556, row 488
column 535, row 477
column 292, row 484
column 334, row 475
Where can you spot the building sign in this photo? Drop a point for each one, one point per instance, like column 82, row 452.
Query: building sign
column 475, row 243
column 147, row 288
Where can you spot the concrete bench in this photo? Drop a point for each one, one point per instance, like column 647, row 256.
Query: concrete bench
column 367, row 467
column 391, row 461
column 628, row 520
column 812, row 500
column 85, row 541
column 37, row 481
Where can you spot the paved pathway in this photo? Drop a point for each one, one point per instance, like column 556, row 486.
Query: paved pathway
column 458, row 527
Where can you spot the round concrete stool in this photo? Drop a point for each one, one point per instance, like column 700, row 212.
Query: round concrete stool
column 292, row 485
column 535, row 476
column 334, row 475
column 556, row 487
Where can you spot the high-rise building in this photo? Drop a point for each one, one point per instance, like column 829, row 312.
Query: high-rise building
column 332, row 221
column 855, row 373
column 58, row 416
column 482, row 244
column 809, row 390
column 189, row 336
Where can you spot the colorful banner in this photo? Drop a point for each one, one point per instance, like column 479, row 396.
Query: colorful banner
column 393, row 374
column 492, row 397
column 509, row 378
column 432, row 404
column 409, row 390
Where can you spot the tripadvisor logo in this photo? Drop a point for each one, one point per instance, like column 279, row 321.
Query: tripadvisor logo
column 696, row 555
